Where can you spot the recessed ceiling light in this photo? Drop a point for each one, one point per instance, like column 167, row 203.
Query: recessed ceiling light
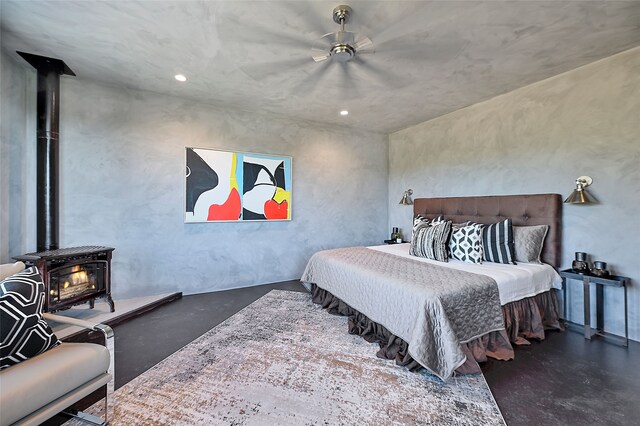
column 180, row 77
column 344, row 112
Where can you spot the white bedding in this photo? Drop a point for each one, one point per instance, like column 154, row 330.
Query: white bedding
column 515, row 282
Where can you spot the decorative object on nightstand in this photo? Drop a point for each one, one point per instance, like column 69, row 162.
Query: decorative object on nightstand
column 580, row 265
column 406, row 198
column 600, row 282
column 580, row 194
column 600, row 269
column 396, row 236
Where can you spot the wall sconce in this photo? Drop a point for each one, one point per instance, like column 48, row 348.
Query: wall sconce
column 580, row 194
column 406, row 198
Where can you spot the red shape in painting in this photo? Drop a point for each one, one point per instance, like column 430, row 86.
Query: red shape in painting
column 230, row 210
column 273, row 210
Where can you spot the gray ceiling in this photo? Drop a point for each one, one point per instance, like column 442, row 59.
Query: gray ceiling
column 431, row 57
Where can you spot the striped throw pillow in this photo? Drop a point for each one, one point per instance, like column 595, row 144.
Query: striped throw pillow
column 497, row 242
column 419, row 219
column 430, row 240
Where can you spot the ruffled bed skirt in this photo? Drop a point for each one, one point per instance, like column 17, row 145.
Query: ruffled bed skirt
column 524, row 319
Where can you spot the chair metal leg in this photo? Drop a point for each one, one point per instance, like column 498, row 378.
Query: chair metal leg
column 109, row 399
column 86, row 417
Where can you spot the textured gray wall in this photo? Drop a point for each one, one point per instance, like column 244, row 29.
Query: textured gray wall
column 122, row 185
column 15, row 170
column 539, row 139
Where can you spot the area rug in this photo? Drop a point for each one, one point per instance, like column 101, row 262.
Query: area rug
column 284, row 361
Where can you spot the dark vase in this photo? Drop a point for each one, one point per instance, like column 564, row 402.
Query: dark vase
column 580, row 264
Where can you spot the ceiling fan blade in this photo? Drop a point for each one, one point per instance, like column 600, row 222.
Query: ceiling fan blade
column 382, row 76
column 426, row 48
column 348, row 82
column 364, row 44
column 314, row 19
column 271, row 37
column 263, row 70
column 320, row 50
column 365, row 52
column 411, row 22
column 326, row 40
column 320, row 55
column 309, row 84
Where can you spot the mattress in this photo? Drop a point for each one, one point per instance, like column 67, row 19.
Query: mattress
column 515, row 282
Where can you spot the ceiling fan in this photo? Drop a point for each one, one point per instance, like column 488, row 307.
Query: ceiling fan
column 340, row 46
column 342, row 55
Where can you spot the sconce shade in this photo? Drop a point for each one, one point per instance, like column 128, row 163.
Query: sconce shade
column 580, row 197
column 406, row 198
column 580, row 194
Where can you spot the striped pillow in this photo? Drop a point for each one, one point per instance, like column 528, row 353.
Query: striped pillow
column 497, row 242
column 419, row 219
column 430, row 240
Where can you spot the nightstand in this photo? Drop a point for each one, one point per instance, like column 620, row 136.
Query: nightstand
column 600, row 283
column 393, row 242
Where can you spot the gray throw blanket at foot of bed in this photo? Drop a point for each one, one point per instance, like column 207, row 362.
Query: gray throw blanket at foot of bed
column 433, row 308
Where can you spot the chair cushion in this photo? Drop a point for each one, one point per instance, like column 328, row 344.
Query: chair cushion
column 34, row 383
column 8, row 269
column 24, row 333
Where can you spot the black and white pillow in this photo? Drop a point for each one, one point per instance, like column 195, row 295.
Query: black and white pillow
column 430, row 240
column 24, row 333
column 466, row 243
column 497, row 242
column 419, row 219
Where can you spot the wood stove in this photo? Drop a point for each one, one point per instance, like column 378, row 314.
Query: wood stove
column 73, row 275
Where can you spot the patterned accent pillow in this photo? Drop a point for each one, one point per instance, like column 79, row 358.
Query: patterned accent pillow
column 528, row 241
column 497, row 242
column 466, row 243
column 419, row 219
column 430, row 240
column 23, row 331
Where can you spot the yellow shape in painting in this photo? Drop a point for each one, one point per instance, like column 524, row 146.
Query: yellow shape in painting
column 282, row 195
column 233, row 182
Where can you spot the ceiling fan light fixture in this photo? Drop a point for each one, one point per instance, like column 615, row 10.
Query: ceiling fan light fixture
column 342, row 52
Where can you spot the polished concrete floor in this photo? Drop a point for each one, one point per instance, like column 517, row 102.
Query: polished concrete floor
column 565, row 380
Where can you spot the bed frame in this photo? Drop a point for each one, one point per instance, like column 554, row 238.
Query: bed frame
column 534, row 209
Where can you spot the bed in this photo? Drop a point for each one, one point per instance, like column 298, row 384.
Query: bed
column 446, row 316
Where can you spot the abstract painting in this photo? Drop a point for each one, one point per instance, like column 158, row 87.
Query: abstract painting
column 236, row 186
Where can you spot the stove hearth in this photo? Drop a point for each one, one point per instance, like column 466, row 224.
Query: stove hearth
column 73, row 276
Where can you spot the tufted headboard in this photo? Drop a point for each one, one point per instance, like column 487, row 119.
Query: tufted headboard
column 535, row 209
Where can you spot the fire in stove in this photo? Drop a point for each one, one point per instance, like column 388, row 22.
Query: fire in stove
column 72, row 281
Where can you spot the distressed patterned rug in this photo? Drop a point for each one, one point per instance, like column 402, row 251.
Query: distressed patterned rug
column 284, row 361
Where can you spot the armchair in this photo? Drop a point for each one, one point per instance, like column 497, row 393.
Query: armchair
column 34, row 390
